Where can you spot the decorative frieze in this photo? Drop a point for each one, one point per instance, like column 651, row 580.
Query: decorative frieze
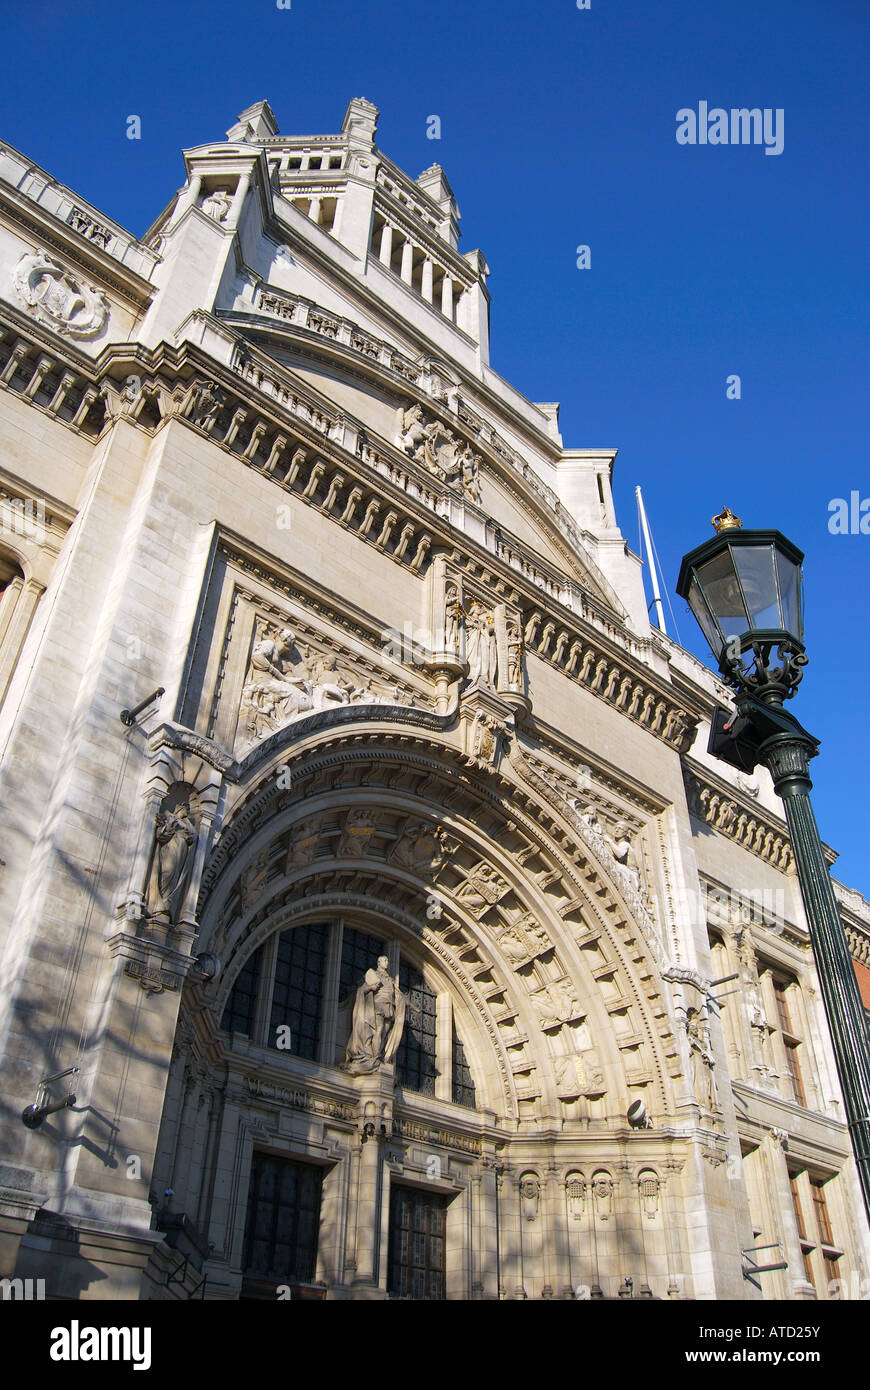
column 747, row 826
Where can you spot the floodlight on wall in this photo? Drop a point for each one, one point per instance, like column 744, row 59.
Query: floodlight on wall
column 637, row 1116
column 207, row 965
column 33, row 1115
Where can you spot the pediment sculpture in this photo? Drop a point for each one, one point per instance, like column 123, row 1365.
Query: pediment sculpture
column 284, row 682
column 432, row 443
column 57, row 298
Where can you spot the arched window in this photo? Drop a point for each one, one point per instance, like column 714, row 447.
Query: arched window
column 288, row 997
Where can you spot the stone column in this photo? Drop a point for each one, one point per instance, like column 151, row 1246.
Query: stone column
column 376, row 1100
column 426, row 287
column 239, row 196
column 407, row 262
column 386, row 251
column 447, row 297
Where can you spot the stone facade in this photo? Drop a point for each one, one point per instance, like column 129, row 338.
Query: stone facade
column 395, row 698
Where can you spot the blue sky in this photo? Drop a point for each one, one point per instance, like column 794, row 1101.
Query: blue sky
column 558, row 129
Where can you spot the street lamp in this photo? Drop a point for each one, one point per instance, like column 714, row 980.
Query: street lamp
column 745, row 589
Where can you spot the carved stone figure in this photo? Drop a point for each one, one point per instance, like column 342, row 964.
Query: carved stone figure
column 413, row 430
column 622, row 849
column 701, row 1061
column 483, row 887
column 435, row 446
column 217, row 205
column 480, row 645
column 470, row 466
column 272, row 695
column 513, row 946
column 303, row 846
column 452, row 618
column 484, row 737
column 174, row 841
column 378, row 1021
column 57, row 298
column 207, row 402
column 530, row 1194
column 514, row 654
column 359, row 827
column 419, row 848
column 556, row 1002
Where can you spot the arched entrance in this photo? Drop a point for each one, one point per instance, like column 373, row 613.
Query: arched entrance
column 468, row 1166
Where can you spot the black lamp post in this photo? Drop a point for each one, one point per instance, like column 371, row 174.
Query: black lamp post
column 745, row 589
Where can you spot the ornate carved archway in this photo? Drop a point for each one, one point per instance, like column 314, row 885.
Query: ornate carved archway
column 490, row 875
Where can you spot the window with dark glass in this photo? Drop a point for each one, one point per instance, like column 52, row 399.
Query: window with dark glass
column 463, row 1083
column 283, row 1220
column 298, row 989
column 416, row 1254
column 359, row 953
column 239, row 1012
column 416, row 1058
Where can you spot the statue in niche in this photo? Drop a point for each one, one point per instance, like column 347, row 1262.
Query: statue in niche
column 217, row 204
column 175, row 836
column 480, row 645
column 470, row 466
column 378, row 1021
column 702, row 1062
column 514, row 654
column 452, row 618
column 485, row 735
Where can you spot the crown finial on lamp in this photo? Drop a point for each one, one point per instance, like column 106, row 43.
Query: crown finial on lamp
column 726, row 521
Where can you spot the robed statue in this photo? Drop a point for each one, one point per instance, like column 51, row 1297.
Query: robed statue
column 378, row 1021
column 174, row 842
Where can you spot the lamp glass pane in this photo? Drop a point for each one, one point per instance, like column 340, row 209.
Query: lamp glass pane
column 702, row 614
column 719, row 582
column 755, row 566
column 790, row 591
